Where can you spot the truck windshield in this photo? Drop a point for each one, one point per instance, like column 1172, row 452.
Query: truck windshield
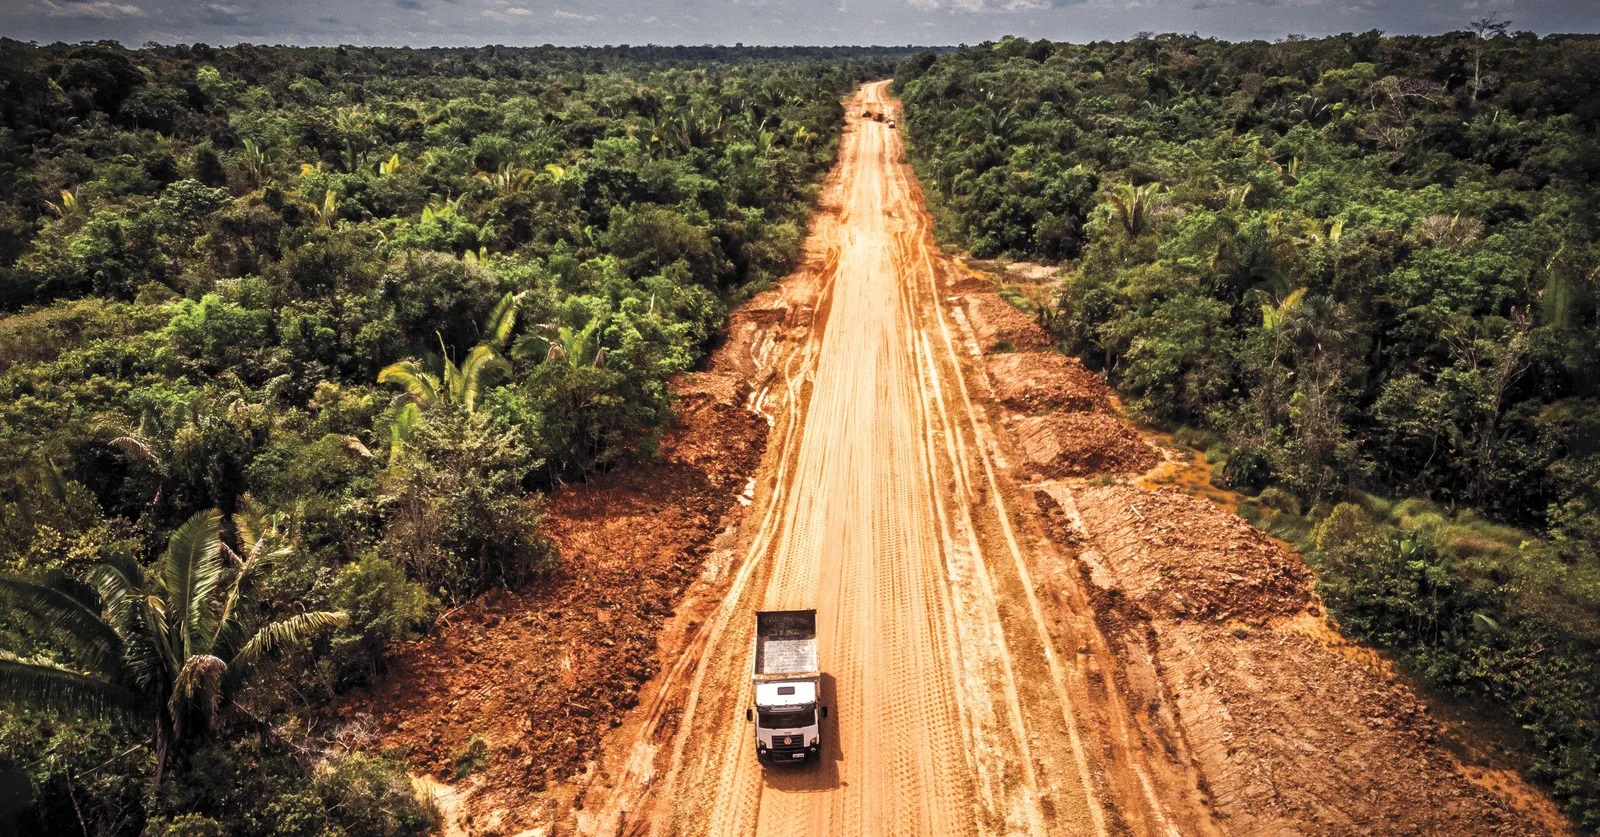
column 787, row 718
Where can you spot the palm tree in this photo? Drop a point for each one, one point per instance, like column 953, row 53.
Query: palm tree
column 172, row 645
column 458, row 385
column 1132, row 204
column 509, row 177
column 567, row 345
column 452, row 384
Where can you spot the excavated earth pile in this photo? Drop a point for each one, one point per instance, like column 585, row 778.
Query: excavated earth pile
column 1080, row 445
column 1001, row 327
column 1215, row 629
column 1177, row 556
column 1046, row 381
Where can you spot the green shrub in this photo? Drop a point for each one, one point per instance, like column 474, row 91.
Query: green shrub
column 384, row 607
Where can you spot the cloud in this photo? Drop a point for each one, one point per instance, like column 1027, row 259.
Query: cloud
column 572, row 17
column 231, row 16
column 506, row 13
column 96, row 10
column 410, row 5
column 985, row 6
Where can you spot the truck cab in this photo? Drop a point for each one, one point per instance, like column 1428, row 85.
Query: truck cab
column 787, row 685
column 788, row 721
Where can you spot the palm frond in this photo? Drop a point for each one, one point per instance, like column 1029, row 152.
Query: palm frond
column 199, row 685
column 118, row 579
column 249, row 522
column 272, row 639
column 165, row 657
column 50, row 687
column 502, row 320
column 191, row 570
column 65, row 609
column 402, row 428
column 137, row 447
column 55, row 480
column 421, row 386
column 482, row 368
column 352, row 444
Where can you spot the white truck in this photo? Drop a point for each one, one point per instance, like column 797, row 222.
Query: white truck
column 788, row 709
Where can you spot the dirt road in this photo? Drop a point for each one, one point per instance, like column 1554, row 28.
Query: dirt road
column 1010, row 645
column 1020, row 633
column 950, row 712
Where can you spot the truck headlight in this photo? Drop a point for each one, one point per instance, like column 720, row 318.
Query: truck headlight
column 761, row 745
column 812, row 742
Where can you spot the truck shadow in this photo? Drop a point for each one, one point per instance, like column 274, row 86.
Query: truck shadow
column 822, row 773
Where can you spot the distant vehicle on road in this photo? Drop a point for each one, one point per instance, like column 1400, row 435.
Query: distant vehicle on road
column 788, row 709
column 891, row 123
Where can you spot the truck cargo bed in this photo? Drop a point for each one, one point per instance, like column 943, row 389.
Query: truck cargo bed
column 786, row 643
column 787, row 656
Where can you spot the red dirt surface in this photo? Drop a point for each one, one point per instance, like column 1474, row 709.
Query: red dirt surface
column 1215, row 633
column 1298, row 738
column 1185, row 558
column 541, row 673
column 1046, row 381
column 999, row 324
column 1057, row 445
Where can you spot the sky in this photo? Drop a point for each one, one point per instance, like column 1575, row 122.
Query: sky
column 763, row 22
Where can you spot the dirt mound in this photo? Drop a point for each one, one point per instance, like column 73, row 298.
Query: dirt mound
column 1043, row 381
column 539, row 674
column 711, row 428
column 963, row 279
column 1298, row 738
column 1059, row 445
column 1293, row 729
column 1186, row 558
column 1000, row 326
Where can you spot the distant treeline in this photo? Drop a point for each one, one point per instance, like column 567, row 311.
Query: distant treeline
column 1364, row 270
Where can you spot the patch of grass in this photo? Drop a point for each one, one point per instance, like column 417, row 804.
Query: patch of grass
column 1198, row 439
column 472, row 758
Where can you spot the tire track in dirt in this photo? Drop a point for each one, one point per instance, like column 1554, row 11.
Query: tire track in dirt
column 866, row 513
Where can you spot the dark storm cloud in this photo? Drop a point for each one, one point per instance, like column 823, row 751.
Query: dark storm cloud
column 426, row 22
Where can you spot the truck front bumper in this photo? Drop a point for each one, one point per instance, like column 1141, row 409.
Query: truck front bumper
column 788, row 755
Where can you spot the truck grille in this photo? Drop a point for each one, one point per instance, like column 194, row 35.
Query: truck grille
column 788, row 742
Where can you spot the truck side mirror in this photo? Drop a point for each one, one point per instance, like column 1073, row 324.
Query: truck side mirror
column 749, row 714
column 824, row 711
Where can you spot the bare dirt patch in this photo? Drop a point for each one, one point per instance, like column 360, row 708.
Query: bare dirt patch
column 1058, row 445
column 1297, row 738
column 1001, row 326
column 1216, row 633
column 1046, row 381
column 1186, row 558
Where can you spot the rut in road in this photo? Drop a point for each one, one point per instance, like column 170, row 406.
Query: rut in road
column 1168, row 673
column 950, row 714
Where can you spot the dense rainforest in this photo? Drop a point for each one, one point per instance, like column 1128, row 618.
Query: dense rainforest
column 1364, row 272
column 291, row 343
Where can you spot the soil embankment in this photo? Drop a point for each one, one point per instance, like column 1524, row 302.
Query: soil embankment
column 1215, row 631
